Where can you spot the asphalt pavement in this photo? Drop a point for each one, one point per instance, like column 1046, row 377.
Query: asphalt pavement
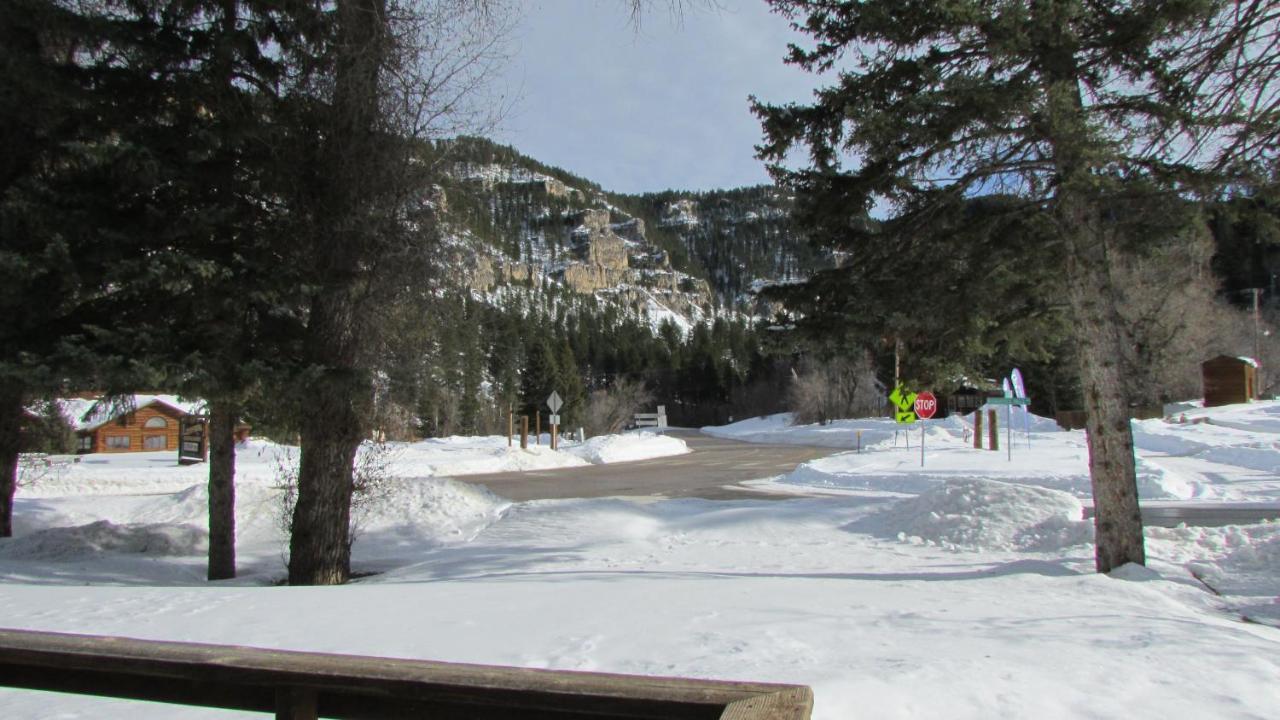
column 1203, row 514
column 713, row 471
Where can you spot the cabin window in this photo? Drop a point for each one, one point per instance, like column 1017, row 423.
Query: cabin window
column 86, row 442
column 155, row 442
column 156, row 422
column 119, row 442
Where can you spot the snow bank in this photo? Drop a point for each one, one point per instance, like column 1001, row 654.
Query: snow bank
column 984, row 515
column 875, row 432
column 84, row 542
column 435, row 510
column 778, row 429
column 628, row 448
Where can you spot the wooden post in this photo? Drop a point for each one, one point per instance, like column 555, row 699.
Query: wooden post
column 295, row 704
column 554, row 444
column 524, row 432
column 993, row 429
column 977, row 429
column 511, row 424
column 537, row 427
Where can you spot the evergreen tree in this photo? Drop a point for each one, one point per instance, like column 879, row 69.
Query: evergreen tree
column 571, row 388
column 540, row 377
column 1070, row 106
column 75, row 203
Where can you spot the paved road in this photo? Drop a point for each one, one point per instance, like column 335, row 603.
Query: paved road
column 716, row 465
column 1166, row 514
column 713, row 464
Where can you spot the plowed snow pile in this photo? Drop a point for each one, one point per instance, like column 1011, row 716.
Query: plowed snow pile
column 66, row 544
column 979, row 514
column 628, row 448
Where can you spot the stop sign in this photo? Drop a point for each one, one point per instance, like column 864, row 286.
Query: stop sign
column 926, row 405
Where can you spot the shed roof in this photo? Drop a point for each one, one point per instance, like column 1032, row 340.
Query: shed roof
column 1232, row 359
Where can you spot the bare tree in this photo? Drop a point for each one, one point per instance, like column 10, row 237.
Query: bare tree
column 822, row 391
column 610, row 410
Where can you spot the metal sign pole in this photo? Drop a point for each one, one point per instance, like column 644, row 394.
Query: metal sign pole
column 922, row 422
column 1008, row 420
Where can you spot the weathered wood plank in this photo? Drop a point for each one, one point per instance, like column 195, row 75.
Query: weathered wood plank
column 348, row 686
column 793, row 703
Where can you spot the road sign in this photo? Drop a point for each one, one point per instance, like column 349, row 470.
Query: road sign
column 193, row 445
column 1008, row 401
column 926, row 405
column 905, row 401
column 555, row 419
column 554, row 402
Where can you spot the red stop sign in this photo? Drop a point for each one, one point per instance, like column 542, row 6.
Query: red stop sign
column 926, row 405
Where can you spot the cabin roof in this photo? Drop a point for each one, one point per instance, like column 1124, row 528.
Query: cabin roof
column 90, row 414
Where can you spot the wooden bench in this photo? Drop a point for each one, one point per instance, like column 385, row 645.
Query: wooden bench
column 304, row 685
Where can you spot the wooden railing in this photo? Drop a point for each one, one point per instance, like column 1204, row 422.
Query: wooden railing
column 303, row 685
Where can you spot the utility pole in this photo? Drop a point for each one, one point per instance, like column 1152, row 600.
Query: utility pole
column 897, row 362
column 1257, row 341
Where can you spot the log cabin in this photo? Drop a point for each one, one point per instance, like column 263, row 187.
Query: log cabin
column 148, row 424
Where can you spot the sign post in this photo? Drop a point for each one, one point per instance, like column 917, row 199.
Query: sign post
column 555, row 403
column 1008, row 402
column 925, row 406
column 193, row 441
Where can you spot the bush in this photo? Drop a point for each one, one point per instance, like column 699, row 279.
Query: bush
column 611, row 410
column 841, row 388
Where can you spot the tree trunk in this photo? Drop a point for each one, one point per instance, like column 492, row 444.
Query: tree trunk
column 331, row 431
column 1117, row 518
column 1094, row 302
column 320, row 546
column 222, row 490
column 11, row 412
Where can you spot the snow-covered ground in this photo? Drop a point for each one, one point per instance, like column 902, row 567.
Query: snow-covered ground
column 960, row 589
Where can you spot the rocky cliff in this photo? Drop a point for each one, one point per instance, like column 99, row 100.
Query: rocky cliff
column 683, row 258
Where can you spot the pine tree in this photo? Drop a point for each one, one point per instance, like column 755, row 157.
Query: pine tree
column 1067, row 105
column 540, row 376
column 570, row 387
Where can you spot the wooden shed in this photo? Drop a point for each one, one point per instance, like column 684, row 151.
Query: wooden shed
column 1228, row 380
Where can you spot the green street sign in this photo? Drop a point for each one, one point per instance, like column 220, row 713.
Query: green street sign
column 905, row 418
column 1008, row 401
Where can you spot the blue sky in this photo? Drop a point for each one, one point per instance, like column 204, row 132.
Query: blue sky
column 661, row 106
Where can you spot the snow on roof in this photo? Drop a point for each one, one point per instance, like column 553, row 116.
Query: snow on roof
column 88, row 414
column 1249, row 360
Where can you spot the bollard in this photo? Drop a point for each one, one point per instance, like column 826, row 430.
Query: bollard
column 993, row 429
column 524, row 432
column 977, row 429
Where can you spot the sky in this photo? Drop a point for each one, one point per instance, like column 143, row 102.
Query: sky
column 662, row 106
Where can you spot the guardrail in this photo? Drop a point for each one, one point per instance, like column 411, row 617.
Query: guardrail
column 305, row 686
